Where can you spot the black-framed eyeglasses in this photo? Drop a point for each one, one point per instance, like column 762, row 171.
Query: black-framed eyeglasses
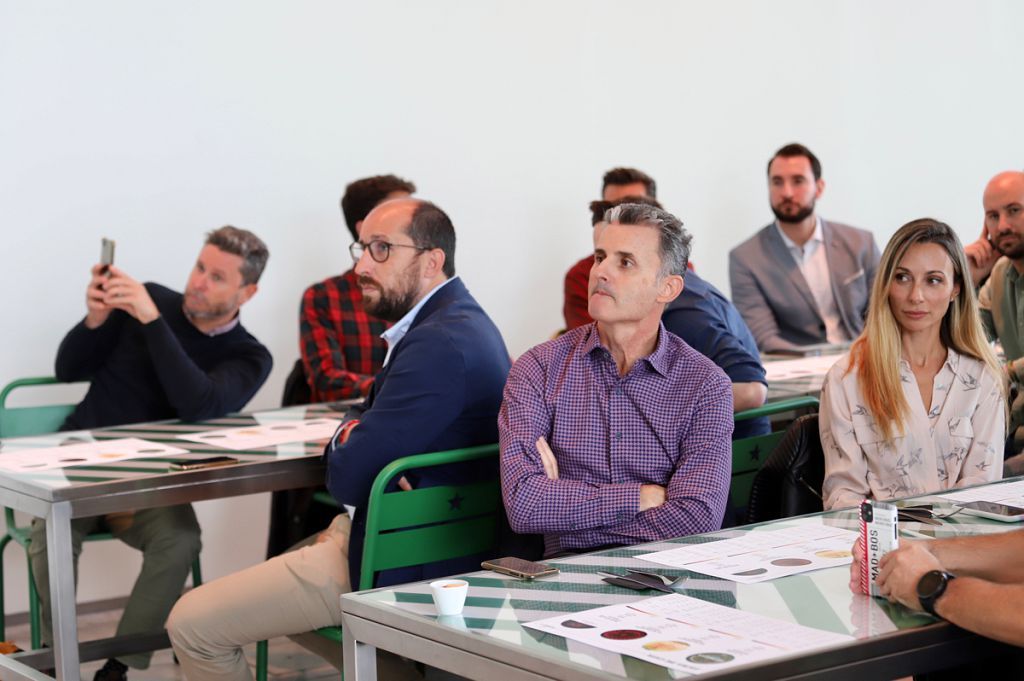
column 379, row 250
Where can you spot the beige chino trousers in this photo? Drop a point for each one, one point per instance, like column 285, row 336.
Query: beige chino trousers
column 288, row 595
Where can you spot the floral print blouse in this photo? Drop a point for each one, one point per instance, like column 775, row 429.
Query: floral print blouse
column 956, row 443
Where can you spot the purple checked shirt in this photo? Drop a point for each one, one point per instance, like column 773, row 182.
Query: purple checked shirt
column 667, row 422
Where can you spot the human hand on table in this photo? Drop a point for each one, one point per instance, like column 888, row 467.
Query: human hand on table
column 900, row 570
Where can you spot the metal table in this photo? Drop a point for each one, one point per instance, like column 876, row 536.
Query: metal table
column 58, row 495
column 488, row 641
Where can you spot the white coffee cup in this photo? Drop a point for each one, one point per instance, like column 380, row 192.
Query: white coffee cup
column 449, row 595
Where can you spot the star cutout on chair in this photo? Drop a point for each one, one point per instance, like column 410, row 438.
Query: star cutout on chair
column 755, row 453
column 455, row 503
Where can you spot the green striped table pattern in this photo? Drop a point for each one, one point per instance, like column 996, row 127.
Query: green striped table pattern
column 497, row 606
column 164, row 433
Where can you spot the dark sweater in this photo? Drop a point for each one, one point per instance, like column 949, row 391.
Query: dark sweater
column 161, row 370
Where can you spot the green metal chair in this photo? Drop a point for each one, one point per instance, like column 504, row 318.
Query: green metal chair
column 21, row 422
column 750, row 453
column 421, row 526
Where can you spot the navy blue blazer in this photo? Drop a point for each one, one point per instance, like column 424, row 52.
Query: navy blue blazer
column 441, row 389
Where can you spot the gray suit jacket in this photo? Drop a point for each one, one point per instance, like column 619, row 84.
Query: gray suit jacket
column 772, row 295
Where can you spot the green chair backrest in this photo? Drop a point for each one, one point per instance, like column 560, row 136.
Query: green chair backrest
column 22, row 421
column 749, row 453
column 406, row 528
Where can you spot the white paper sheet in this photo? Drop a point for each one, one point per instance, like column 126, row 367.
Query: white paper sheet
column 760, row 556
column 84, row 453
column 255, row 437
column 799, row 368
column 1011, row 493
column 687, row 634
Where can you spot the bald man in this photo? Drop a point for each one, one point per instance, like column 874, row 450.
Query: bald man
column 1000, row 254
column 440, row 388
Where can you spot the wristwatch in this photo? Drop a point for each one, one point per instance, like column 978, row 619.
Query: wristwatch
column 930, row 588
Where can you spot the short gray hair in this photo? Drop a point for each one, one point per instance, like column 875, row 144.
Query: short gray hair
column 674, row 244
column 246, row 245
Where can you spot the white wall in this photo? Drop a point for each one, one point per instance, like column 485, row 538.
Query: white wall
column 151, row 123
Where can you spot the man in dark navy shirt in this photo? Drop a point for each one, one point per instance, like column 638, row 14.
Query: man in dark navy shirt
column 712, row 326
column 150, row 353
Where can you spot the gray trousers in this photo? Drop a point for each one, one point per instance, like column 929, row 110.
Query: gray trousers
column 289, row 595
column 169, row 540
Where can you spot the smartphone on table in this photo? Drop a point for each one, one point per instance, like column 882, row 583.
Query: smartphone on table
column 517, row 567
column 993, row 511
column 196, row 464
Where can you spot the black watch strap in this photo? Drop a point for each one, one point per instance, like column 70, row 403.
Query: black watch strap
column 930, row 588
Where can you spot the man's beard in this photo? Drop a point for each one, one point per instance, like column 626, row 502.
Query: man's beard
column 801, row 215
column 392, row 305
column 1014, row 253
column 210, row 312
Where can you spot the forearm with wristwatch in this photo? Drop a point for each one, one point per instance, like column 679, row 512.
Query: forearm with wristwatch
column 931, row 587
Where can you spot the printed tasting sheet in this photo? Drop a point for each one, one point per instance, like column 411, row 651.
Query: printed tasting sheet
column 257, row 436
column 687, row 634
column 1009, row 493
column 759, row 556
column 84, row 453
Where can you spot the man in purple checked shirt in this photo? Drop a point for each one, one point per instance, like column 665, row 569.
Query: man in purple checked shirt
column 618, row 432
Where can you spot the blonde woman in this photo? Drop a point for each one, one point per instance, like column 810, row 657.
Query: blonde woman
column 918, row 405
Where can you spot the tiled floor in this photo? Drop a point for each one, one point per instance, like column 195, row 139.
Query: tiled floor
column 288, row 661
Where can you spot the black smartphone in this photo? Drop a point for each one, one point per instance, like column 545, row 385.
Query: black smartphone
column 994, row 511
column 106, row 253
column 517, row 567
column 196, row 464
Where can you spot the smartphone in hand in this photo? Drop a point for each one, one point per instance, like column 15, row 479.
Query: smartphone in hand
column 106, row 254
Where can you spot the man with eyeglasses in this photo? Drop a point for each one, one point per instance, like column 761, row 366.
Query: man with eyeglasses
column 440, row 389
column 341, row 348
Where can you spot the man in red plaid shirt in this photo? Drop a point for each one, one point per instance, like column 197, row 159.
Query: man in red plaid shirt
column 340, row 344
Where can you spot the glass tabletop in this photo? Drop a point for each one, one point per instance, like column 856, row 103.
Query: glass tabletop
column 497, row 606
column 162, row 444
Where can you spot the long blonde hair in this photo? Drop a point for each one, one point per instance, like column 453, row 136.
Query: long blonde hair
column 875, row 355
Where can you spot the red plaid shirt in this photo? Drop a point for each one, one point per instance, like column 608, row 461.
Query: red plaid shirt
column 340, row 344
column 577, row 281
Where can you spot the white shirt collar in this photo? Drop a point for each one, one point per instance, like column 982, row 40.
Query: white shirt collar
column 817, row 235
column 396, row 333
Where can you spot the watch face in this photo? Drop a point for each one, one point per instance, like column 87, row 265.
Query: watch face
column 929, row 583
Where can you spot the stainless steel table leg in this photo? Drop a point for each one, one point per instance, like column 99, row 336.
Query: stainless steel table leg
column 360, row 658
column 62, row 591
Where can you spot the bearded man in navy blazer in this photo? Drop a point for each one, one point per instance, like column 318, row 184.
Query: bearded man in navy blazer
column 802, row 280
column 440, row 389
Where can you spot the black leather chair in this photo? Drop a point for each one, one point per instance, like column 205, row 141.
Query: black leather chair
column 789, row 482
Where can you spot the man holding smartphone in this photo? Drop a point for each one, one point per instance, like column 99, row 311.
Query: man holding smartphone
column 151, row 353
column 618, row 432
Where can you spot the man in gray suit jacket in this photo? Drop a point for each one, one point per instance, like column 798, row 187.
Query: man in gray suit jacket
column 802, row 280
